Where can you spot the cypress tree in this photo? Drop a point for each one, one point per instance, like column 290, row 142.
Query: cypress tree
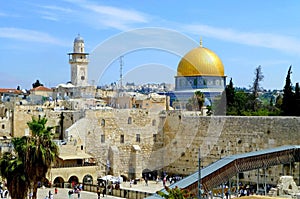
column 288, row 95
column 297, row 99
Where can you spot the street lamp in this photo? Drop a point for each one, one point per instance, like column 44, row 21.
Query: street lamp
column 199, row 175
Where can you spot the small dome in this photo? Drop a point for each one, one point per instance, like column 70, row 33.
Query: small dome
column 78, row 39
column 200, row 61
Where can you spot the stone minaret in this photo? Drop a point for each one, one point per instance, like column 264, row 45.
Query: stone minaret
column 78, row 60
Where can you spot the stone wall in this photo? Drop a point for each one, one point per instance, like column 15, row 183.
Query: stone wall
column 170, row 140
column 101, row 131
column 60, row 119
column 5, row 122
column 185, row 132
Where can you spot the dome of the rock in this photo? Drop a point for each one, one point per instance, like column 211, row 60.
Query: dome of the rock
column 200, row 61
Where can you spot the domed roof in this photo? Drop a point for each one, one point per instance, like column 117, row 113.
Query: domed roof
column 78, row 39
column 200, row 61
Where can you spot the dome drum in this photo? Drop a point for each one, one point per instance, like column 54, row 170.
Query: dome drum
column 199, row 82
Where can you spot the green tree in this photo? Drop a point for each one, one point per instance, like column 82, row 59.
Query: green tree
column 199, row 96
column 12, row 169
column 230, row 93
column 195, row 102
column 288, row 95
column 278, row 103
column 175, row 193
column 37, row 83
column 41, row 152
column 297, row 99
column 256, row 81
column 31, row 159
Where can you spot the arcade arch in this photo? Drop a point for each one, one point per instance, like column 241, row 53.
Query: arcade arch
column 58, row 182
column 87, row 179
column 73, row 180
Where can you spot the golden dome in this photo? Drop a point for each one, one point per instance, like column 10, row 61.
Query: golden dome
column 200, row 61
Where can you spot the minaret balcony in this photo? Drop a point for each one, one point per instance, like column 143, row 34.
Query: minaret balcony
column 78, row 60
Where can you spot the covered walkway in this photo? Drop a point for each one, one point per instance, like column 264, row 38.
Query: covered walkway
column 224, row 169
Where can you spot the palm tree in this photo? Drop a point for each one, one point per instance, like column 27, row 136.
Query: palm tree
column 198, row 100
column 12, row 169
column 30, row 161
column 41, row 152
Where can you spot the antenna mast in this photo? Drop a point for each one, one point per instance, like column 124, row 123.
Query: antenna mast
column 121, row 72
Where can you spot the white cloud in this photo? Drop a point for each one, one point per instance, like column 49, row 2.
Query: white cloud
column 29, row 36
column 56, row 8
column 51, row 18
column 267, row 40
column 53, row 13
column 117, row 13
column 108, row 16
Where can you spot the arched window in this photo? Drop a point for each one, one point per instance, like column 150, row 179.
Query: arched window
column 3, row 126
column 195, row 82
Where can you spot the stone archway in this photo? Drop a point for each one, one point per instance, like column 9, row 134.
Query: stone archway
column 87, row 179
column 73, row 180
column 58, row 182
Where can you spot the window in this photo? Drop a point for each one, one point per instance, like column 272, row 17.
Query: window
column 195, row 82
column 103, row 122
column 129, row 120
column 153, row 122
column 138, row 138
column 154, row 137
column 122, row 139
column 3, row 126
column 102, row 138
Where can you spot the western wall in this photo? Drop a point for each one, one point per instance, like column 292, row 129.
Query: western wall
column 169, row 140
column 137, row 140
column 219, row 136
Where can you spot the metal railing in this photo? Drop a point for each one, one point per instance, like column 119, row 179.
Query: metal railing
column 124, row 193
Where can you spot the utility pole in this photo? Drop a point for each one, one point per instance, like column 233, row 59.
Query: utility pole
column 107, row 170
column 199, row 175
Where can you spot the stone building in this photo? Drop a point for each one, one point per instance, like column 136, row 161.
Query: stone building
column 129, row 100
column 123, row 137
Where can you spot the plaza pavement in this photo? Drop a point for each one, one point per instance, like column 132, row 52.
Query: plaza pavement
column 63, row 192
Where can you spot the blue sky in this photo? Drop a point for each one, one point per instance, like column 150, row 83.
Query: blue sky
column 35, row 37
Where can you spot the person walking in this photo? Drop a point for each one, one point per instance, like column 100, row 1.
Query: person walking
column 78, row 193
column 98, row 192
column 104, row 191
column 146, row 181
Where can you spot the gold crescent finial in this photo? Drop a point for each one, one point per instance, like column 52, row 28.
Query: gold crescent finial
column 200, row 41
